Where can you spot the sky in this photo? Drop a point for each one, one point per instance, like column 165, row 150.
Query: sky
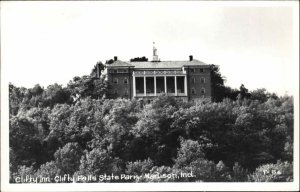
column 255, row 44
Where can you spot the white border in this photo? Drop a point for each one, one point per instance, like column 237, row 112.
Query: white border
column 289, row 186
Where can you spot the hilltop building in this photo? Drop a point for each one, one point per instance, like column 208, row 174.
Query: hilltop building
column 187, row 80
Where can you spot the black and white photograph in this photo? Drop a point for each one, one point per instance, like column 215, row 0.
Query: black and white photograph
column 145, row 96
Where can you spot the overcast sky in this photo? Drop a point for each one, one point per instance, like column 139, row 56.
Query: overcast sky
column 51, row 42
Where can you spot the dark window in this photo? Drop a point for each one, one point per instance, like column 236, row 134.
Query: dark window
column 115, row 81
column 193, row 70
column 180, row 84
column 203, row 91
column 122, row 70
column 201, row 70
column 139, row 84
column 202, row 80
column 115, row 71
column 193, row 80
column 160, row 85
column 170, row 85
column 150, row 84
column 125, row 81
column 193, row 91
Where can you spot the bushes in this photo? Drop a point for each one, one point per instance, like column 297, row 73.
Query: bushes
column 279, row 172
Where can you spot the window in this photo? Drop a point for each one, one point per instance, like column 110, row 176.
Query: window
column 180, row 84
column 122, row 70
column 116, row 91
column 115, row 71
column 202, row 91
column 201, row 70
column 160, row 84
column 193, row 70
column 125, row 81
column 193, row 91
column 202, row 80
column 115, row 81
column 193, row 80
column 139, row 84
column 126, row 92
column 170, row 84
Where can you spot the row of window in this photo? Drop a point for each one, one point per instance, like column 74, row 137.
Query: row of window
column 202, row 91
column 116, row 81
column 125, row 81
column 119, row 71
column 193, row 91
column 202, row 80
column 195, row 70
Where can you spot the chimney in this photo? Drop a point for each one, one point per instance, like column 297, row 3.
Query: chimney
column 115, row 58
column 191, row 57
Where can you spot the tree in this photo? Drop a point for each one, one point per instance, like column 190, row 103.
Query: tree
column 97, row 162
column 52, row 134
column 85, row 86
column 219, row 90
column 119, row 120
column 23, row 172
column 16, row 96
column 60, row 118
column 49, row 170
column 188, row 152
column 279, row 172
column 191, row 159
column 217, row 83
column 109, row 61
column 139, row 167
column 239, row 174
column 24, row 142
column 243, row 93
column 139, row 59
column 67, row 159
column 55, row 94
column 155, row 132
column 260, row 95
column 37, row 90
column 98, row 68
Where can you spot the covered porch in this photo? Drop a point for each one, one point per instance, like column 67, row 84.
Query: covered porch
column 147, row 86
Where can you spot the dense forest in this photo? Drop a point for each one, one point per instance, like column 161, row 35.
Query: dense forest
column 76, row 131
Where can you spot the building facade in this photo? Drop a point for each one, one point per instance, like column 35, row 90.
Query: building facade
column 186, row 80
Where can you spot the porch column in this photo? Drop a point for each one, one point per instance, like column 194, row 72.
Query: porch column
column 154, row 85
column 134, row 88
column 175, row 77
column 165, row 78
column 185, row 85
column 145, row 94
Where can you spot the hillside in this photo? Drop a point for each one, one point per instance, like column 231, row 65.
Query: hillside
column 78, row 132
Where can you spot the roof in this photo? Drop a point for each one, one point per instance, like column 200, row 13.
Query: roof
column 159, row 64
column 119, row 63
